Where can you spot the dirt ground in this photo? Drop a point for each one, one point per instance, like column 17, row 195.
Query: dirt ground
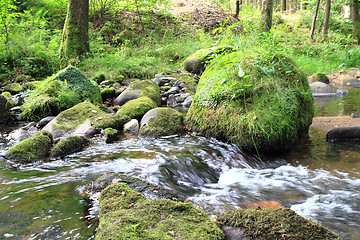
column 328, row 123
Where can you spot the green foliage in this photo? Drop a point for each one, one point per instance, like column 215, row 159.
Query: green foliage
column 351, row 58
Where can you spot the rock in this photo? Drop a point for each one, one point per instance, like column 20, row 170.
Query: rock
column 343, row 134
column 273, row 223
column 111, row 135
column 179, row 99
column 320, row 89
column 59, row 92
column 13, row 88
column 132, row 126
column 83, row 117
column 342, row 92
column 187, row 102
column 266, row 112
column 45, row 121
column 108, row 93
column 318, row 77
column 23, row 132
column 136, row 108
column 354, row 115
column 173, row 90
column 5, row 107
column 139, row 89
column 171, row 101
column 196, row 62
column 32, row 85
column 154, row 218
column 69, row 145
column 160, row 122
column 18, row 99
column 32, row 149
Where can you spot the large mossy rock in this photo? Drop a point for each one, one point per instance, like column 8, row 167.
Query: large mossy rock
column 127, row 214
column 140, row 89
column 196, row 62
column 274, row 223
column 79, row 119
column 32, row 149
column 262, row 104
column 160, row 122
column 136, row 108
column 5, row 106
column 13, row 88
column 69, row 145
column 59, row 92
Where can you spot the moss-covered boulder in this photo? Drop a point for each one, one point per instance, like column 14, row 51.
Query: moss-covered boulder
column 66, row 88
column 318, row 77
column 32, row 149
column 108, row 93
column 274, row 223
column 69, row 145
column 5, row 106
column 160, row 122
column 261, row 103
column 111, row 135
column 127, row 214
column 13, row 88
column 136, row 108
column 196, row 62
column 81, row 118
column 140, row 89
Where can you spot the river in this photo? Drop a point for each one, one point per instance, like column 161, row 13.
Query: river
column 318, row 180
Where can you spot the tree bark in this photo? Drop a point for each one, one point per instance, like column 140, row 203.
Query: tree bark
column 314, row 19
column 237, row 9
column 266, row 15
column 326, row 18
column 283, row 6
column 355, row 16
column 75, row 37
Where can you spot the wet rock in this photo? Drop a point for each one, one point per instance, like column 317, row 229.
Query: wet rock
column 23, row 132
column 173, row 90
column 32, row 149
column 69, row 145
column 5, row 107
column 45, row 121
column 187, row 102
column 343, row 134
column 171, row 101
column 18, row 99
column 342, row 92
column 278, row 223
column 132, row 126
column 320, row 89
column 127, row 95
column 179, row 99
column 354, row 115
column 111, row 135
column 92, row 132
column 160, row 122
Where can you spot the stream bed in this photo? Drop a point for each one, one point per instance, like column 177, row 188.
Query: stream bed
column 318, row 180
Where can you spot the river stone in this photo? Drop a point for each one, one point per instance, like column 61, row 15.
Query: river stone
column 111, row 135
column 127, row 95
column 23, row 132
column 320, row 89
column 196, row 62
column 268, row 111
column 32, row 149
column 45, row 121
column 187, row 102
column 343, row 134
column 5, row 107
column 13, row 88
column 160, row 122
column 132, row 126
column 136, row 108
column 69, row 145
column 83, row 117
column 154, row 218
column 273, row 223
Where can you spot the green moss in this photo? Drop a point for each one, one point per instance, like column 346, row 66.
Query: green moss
column 108, row 93
column 99, row 78
column 269, row 108
column 40, row 107
column 69, row 145
column 136, row 108
column 32, row 85
column 279, row 223
column 126, row 214
column 5, row 106
column 7, row 95
column 67, row 88
column 150, row 89
column 110, row 135
column 13, row 88
column 190, row 82
column 31, row 149
column 165, row 122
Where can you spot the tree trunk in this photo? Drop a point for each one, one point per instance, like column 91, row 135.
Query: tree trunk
column 355, row 16
column 237, row 8
column 283, row 6
column 266, row 15
column 314, row 19
column 75, row 37
column 326, row 18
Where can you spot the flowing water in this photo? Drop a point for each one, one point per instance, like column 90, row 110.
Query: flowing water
column 318, row 180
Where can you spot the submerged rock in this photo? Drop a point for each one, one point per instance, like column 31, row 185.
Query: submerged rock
column 160, row 122
column 32, row 149
column 262, row 109
column 278, row 223
column 68, row 146
column 127, row 214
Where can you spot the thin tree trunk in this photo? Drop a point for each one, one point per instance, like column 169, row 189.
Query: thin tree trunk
column 355, row 16
column 314, row 19
column 326, row 18
column 75, row 37
column 237, row 9
column 266, row 15
column 283, row 6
